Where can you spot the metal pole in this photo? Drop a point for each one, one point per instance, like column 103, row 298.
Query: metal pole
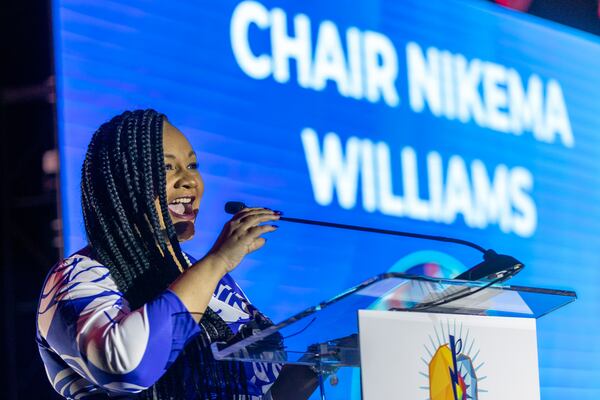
column 321, row 380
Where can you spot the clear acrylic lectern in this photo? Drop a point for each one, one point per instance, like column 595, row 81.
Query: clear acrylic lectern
column 326, row 336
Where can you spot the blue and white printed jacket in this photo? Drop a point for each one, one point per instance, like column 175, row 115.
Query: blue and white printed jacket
column 94, row 345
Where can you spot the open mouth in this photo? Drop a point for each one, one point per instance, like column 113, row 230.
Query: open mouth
column 182, row 208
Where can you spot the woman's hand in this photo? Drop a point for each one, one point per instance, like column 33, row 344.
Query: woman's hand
column 242, row 235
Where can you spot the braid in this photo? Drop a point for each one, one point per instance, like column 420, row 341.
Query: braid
column 123, row 224
column 122, row 176
column 130, row 169
column 162, row 194
column 96, row 217
column 128, row 197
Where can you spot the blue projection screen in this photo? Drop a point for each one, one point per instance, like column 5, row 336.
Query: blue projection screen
column 444, row 117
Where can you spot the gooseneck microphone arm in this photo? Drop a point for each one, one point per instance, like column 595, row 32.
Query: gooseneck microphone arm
column 385, row 232
column 232, row 207
column 494, row 266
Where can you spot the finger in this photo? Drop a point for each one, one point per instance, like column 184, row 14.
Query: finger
column 249, row 212
column 244, row 211
column 258, row 212
column 260, row 229
column 253, row 220
column 257, row 244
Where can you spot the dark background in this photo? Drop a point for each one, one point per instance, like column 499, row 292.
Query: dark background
column 29, row 202
column 30, row 223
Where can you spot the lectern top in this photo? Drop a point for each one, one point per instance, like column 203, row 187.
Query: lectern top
column 327, row 332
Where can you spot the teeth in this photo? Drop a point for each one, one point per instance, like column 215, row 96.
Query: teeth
column 182, row 200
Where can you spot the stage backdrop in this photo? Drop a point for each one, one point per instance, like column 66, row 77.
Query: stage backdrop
column 445, row 117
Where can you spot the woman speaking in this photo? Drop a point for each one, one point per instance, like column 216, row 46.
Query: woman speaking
column 133, row 316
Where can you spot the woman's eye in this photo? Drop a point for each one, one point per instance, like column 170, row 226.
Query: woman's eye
column 193, row 166
column 168, row 167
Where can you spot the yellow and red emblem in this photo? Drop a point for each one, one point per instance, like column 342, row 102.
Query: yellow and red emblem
column 447, row 370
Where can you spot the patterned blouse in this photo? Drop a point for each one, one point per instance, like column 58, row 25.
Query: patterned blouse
column 94, row 345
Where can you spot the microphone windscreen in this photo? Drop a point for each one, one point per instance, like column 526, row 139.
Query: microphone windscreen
column 233, row 207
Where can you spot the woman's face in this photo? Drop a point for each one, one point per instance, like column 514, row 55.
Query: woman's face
column 184, row 183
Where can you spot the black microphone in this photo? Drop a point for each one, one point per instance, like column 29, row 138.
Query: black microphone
column 494, row 267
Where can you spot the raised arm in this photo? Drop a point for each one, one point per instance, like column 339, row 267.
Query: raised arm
column 240, row 236
column 86, row 320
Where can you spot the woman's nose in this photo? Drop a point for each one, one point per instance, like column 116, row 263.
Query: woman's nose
column 187, row 180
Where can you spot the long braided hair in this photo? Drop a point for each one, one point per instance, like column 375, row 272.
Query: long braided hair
column 122, row 175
